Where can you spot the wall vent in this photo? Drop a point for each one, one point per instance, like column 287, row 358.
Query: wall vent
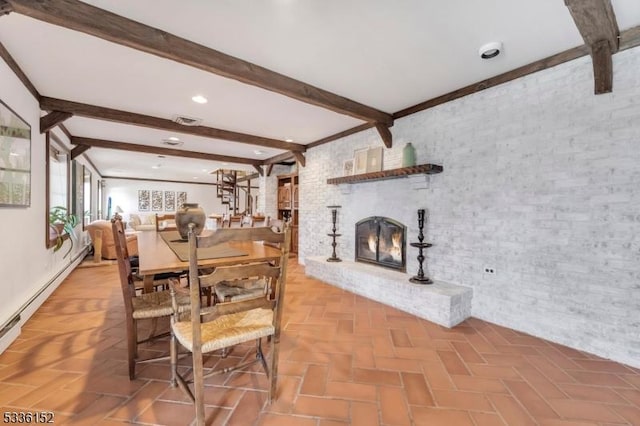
column 187, row 121
column 171, row 143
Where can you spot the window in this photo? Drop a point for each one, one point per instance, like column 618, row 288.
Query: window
column 86, row 197
column 57, row 181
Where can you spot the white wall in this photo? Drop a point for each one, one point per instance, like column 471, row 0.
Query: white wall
column 26, row 264
column 541, row 181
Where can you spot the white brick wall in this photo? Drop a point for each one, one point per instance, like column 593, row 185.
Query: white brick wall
column 541, row 181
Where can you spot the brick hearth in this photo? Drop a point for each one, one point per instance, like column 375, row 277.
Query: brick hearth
column 443, row 303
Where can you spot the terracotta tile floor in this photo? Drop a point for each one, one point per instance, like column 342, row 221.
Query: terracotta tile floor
column 344, row 360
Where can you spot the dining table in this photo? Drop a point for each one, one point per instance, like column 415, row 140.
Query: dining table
column 156, row 256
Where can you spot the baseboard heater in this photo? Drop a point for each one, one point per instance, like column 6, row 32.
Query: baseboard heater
column 7, row 326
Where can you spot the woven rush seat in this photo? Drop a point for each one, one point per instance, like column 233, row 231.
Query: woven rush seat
column 157, row 304
column 232, row 291
column 248, row 308
column 145, row 306
column 228, row 330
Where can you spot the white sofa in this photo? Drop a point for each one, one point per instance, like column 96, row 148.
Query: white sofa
column 140, row 222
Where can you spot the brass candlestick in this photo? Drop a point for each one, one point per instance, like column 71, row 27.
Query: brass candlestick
column 333, row 235
column 421, row 278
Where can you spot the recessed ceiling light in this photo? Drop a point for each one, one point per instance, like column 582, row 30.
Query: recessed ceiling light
column 199, row 99
column 195, row 177
column 225, row 164
column 490, row 50
column 157, row 166
column 14, row 154
column 258, row 152
column 205, row 170
column 173, row 138
column 288, row 140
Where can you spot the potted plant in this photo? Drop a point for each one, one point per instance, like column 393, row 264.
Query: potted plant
column 62, row 223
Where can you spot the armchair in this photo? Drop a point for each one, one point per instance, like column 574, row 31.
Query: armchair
column 103, row 242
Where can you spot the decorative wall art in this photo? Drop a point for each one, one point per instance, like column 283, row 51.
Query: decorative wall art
column 15, row 159
column 156, row 201
column 360, row 161
column 374, row 160
column 169, row 201
column 182, row 198
column 144, row 200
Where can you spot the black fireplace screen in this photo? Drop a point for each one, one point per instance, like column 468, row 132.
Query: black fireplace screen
column 381, row 241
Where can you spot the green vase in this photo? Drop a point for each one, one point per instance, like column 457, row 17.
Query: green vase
column 408, row 155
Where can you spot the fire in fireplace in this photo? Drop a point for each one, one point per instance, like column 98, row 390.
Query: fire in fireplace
column 381, row 241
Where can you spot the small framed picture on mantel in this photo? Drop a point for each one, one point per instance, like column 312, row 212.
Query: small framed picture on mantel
column 374, row 160
column 360, row 161
column 347, row 169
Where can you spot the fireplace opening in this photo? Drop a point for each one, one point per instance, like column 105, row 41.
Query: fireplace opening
column 381, row 241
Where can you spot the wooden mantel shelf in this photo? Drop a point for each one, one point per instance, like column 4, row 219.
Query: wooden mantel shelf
column 427, row 169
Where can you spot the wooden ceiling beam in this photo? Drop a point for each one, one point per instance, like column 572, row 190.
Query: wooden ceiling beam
column 102, row 113
column 269, row 169
column 341, row 135
column 279, row 158
column 52, row 119
column 101, row 143
column 385, row 134
column 80, row 16
column 300, row 158
column 5, row 8
column 259, row 169
column 249, row 177
column 78, row 150
column 597, row 24
column 158, row 180
column 4, row 54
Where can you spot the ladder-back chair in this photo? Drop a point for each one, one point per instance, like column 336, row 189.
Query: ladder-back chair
column 227, row 324
column 152, row 306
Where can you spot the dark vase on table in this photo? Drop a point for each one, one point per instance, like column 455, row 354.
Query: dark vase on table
column 190, row 213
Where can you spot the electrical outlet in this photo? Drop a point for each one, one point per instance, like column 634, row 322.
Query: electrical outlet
column 489, row 270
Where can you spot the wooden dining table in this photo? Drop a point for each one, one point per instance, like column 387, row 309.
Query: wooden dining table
column 156, row 257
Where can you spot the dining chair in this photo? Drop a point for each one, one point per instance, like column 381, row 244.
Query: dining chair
column 246, row 221
column 259, row 221
column 235, row 222
column 154, row 305
column 226, row 324
column 276, row 224
column 165, row 219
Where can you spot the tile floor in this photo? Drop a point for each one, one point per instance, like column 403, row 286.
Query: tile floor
column 344, row 360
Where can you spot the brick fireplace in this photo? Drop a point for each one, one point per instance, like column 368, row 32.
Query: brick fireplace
column 381, row 241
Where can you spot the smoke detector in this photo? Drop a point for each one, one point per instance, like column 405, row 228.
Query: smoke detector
column 187, row 121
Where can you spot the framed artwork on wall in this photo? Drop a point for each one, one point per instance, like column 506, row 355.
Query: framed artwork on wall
column 169, row 201
column 182, row 198
column 156, row 201
column 144, row 200
column 374, row 160
column 15, row 159
column 360, row 161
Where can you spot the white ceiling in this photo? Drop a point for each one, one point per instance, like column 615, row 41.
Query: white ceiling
column 388, row 55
